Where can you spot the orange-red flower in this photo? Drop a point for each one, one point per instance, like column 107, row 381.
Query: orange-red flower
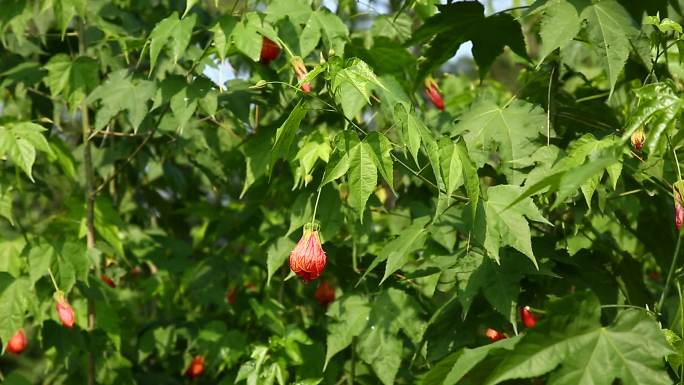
column 528, row 317
column 104, row 278
column 638, row 138
column 432, row 92
column 678, row 205
column 64, row 310
column 230, row 296
column 269, row 50
column 17, row 343
column 301, row 72
column 308, row 259
column 494, row 335
column 325, row 294
column 196, row 367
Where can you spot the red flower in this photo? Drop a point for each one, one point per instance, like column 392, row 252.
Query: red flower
column 64, row 310
column 638, row 138
column 230, row 296
column 301, row 72
column 104, row 278
column 528, row 317
column 494, row 335
column 196, row 367
column 432, row 92
column 308, row 259
column 325, row 294
column 269, row 50
column 678, row 204
column 17, row 343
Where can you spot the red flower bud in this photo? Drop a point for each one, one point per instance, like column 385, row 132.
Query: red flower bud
column 17, row 343
column 528, row 317
column 269, row 51
column 308, row 259
column 679, row 207
column 230, row 296
column 325, row 294
column 104, row 278
column 494, row 335
column 638, row 138
column 432, row 92
column 301, row 72
column 64, row 310
column 196, row 367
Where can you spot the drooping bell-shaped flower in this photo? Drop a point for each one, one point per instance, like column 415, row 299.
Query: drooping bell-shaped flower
column 528, row 317
column 677, row 190
column 301, row 72
column 270, row 50
column 17, row 343
column 308, row 259
column 638, row 138
column 325, row 294
column 494, row 335
column 196, row 367
column 64, row 310
column 432, row 92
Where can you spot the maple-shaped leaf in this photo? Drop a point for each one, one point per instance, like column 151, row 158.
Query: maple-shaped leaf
column 351, row 84
column 19, row 142
column 122, row 92
column 499, row 224
column 573, row 344
column 510, row 133
column 172, row 32
column 464, row 21
column 71, row 79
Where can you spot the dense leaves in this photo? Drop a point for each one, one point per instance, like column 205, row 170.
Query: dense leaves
column 159, row 162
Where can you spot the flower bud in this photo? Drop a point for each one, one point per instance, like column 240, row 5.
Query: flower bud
column 638, row 138
column 104, row 278
column 325, row 294
column 64, row 310
column 17, row 343
column 308, row 259
column 230, row 296
column 301, row 72
column 678, row 203
column 432, row 92
column 196, row 367
column 494, row 335
column 528, row 317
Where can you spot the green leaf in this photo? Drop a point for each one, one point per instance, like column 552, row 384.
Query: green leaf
column 173, row 33
column 333, row 31
column 507, row 225
column 257, row 152
column 470, row 178
column 451, row 167
column 285, row 134
column 560, row 23
column 19, row 141
column 122, row 92
column 277, row 254
column 13, row 305
column 6, row 197
column 223, row 30
column 246, row 36
column 352, row 85
column 40, row 258
column 339, row 163
column 609, row 29
column 631, row 349
column 188, row 5
column 398, row 251
column 362, row 177
column 382, row 149
column 350, row 315
column 71, row 79
column 511, row 132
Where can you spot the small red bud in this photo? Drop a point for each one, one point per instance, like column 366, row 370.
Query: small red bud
column 308, row 259
column 196, row 367
column 679, row 206
column 230, row 296
column 64, row 311
column 494, row 335
column 638, row 138
column 17, row 343
column 301, row 72
column 528, row 317
column 432, row 92
column 325, row 294
column 104, row 278
column 269, row 51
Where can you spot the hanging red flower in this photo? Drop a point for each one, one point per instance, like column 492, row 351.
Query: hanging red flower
column 308, row 259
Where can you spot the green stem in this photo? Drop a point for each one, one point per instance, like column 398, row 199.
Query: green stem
column 313, row 217
column 54, row 282
column 670, row 272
